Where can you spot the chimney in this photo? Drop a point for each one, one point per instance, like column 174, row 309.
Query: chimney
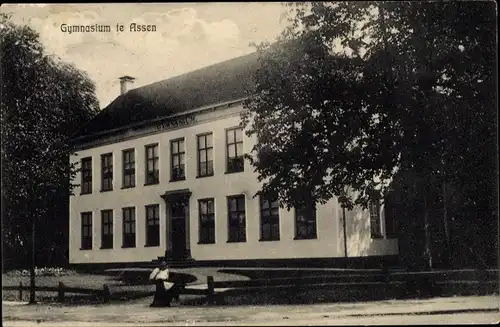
column 125, row 82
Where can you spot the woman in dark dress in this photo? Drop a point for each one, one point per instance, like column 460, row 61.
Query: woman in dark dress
column 159, row 277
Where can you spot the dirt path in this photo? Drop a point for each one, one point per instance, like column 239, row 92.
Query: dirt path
column 140, row 313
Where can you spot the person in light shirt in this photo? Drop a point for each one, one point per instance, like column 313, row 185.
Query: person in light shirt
column 163, row 295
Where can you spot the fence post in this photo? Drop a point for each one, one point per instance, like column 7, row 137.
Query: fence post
column 105, row 293
column 60, row 293
column 20, row 291
column 210, row 289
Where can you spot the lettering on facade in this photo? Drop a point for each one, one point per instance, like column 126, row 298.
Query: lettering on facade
column 176, row 122
column 125, row 134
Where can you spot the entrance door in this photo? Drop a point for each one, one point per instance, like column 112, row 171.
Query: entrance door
column 178, row 230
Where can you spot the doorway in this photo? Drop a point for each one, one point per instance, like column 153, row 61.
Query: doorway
column 177, row 224
column 177, row 230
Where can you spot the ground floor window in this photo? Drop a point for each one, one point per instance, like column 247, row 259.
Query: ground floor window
column 375, row 223
column 207, row 221
column 269, row 219
column 153, row 225
column 107, row 229
column 236, row 219
column 391, row 229
column 129, row 227
column 86, row 230
column 305, row 223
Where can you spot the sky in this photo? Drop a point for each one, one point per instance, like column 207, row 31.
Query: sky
column 188, row 36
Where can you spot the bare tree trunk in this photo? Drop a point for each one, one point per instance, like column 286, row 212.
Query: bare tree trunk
column 428, row 251
column 445, row 225
column 345, row 237
column 32, row 267
column 444, row 191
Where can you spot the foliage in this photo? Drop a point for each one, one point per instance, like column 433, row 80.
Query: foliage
column 42, row 104
column 329, row 121
column 298, row 132
column 353, row 92
column 44, row 271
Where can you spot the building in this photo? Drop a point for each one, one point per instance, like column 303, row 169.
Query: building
column 163, row 175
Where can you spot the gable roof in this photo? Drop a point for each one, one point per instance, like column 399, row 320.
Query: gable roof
column 221, row 82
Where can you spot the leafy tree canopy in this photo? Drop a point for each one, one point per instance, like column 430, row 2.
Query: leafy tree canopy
column 412, row 87
column 43, row 103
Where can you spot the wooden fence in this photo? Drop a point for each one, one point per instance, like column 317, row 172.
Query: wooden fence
column 423, row 283
column 61, row 290
column 407, row 283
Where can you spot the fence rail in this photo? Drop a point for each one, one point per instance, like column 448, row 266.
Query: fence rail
column 423, row 283
column 61, row 290
column 435, row 277
column 303, row 280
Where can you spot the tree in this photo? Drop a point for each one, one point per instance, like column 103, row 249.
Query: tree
column 413, row 92
column 297, row 131
column 43, row 103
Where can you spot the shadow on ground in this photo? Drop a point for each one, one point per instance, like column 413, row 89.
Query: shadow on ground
column 302, row 296
column 140, row 277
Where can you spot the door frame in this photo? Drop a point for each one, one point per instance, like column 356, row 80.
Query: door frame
column 171, row 197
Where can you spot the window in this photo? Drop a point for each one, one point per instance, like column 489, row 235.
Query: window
column 234, row 140
column 86, row 230
column 128, row 168
column 269, row 219
column 177, row 153
column 153, row 225
column 391, row 229
column 236, row 219
column 152, row 171
column 207, row 221
column 107, row 172
column 375, row 225
column 106, row 229
column 86, row 175
column 128, row 227
column 305, row 223
column 205, row 155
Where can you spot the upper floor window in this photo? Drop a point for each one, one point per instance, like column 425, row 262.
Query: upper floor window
column 152, row 170
column 128, row 227
column 207, row 221
column 234, row 141
column 305, row 223
column 177, row 153
column 236, row 218
column 375, row 222
column 107, row 172
column 205, row 155
column 86, row 230
column 86, row 175
column 153, row 225
column 269, row 219
column 107, row 229
column 129, row 168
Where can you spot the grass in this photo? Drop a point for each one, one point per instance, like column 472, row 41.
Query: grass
column 271, row 273
column 118, row 288
column 134, row 285
column 76, row 280
column 124, row 285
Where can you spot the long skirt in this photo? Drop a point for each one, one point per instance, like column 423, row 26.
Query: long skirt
column 162, row 297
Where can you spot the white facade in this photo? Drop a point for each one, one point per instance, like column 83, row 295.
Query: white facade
column 329, row 242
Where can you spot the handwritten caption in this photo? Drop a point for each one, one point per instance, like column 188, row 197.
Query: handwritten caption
column 97, row 28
